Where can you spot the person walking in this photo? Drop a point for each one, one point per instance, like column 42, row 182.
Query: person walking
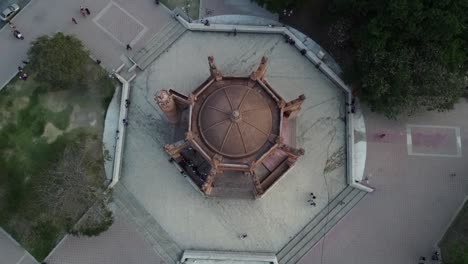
column 74, row 20
column 129, row 47
column 87, row 11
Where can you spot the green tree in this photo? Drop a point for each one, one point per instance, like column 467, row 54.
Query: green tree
column 408, row 55
column 59, row 60
column 277, row 6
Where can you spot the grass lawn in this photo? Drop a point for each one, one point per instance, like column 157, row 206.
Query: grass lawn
column 36, row 124
column 455, row 241
column 193, row 9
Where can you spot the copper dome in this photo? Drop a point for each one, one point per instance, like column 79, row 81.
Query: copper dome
column 238, row 131
column 235, row 121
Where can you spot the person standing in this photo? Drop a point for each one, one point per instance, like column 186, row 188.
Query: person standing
column 87, row 11
column 74, row 20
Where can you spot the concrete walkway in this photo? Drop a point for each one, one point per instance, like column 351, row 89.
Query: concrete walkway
column 415, row 195
column 11, row 252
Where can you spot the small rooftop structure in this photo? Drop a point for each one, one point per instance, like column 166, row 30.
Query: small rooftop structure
column 240, row 137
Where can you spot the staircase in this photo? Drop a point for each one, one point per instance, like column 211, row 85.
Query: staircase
column 295, row 249
column 168, row 34
column 158, row 238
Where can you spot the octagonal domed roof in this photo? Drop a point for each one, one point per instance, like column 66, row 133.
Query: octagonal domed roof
column 235, row 121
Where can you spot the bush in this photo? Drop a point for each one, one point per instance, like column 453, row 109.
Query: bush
column 97, row 220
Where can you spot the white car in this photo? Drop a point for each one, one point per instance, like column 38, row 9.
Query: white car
column 9, row 12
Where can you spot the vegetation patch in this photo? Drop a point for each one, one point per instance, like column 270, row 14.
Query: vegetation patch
column 454, row 245
column 52, row 168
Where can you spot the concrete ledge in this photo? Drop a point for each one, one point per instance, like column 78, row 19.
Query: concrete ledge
column 190, row 256
column 119, row 145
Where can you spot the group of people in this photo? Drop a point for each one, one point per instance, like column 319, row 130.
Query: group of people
column 125, row 122
column 22, row 74
column 352, row 106
column 15, row 31
column 435, row 257
column 311, row 201
column 234, row 32
column 84, row 12
column 289, row 40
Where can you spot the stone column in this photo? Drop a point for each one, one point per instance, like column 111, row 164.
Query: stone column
column 208, row 185
column 259, row 74
column 258, row 185
column 293, row 154
column 215, row 73
column 174, row 149
column 167, row 104
column 292, row 109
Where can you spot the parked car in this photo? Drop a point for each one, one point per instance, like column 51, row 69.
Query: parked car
column 9, row 12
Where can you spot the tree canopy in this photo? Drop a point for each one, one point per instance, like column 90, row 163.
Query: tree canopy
column 409, row 55
column 59, row 60
column 277, row 6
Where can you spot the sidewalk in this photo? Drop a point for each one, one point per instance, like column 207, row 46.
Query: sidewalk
column 12, row 252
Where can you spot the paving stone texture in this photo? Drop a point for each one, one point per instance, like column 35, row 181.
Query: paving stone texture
column 415, row 196
column 121, row 244
column 196, row 222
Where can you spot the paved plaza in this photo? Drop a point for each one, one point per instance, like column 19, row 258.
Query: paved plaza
column 418, row 168
column 416, row 192
column 196, row 222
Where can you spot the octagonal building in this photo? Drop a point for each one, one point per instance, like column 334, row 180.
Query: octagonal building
column 239, row 133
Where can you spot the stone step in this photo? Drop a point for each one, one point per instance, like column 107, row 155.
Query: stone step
column 159, row 43
column 154, row 40
column 332, row 222
column 233, row 193
column 153, row 233
column 320, row 225
column 319, row 217
column 164, row 45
